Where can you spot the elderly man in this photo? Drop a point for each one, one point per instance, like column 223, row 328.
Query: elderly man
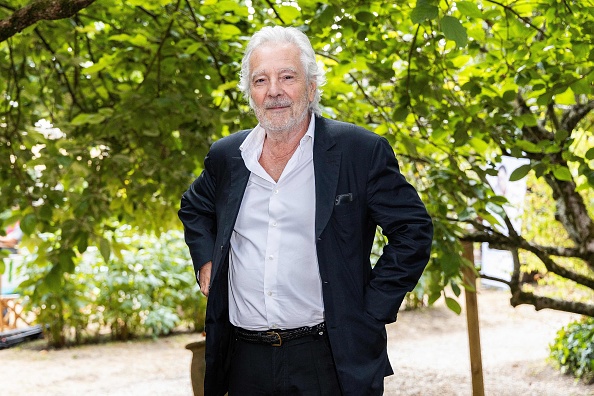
column 280, row 226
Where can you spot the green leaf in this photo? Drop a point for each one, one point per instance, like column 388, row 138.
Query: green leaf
column 453, row 30
column 453, row 305
column 105, row 249
column 566, row 98
column 561, row 135
column 450, row 263
column 53, row 280
column 433, row 297
column 28, row 223
column 228, row 31
column 85, row 118
column 455, row 288
column 479, row 145
column 138, row 39
column 326, row 16
column 365, row 16
column 423, row 12
column 469, row 9
column 590, row 154
column 582, row 87
column 151, row 132
column 528, row 146
column 562, row 173
column 83, row 242
column 192, row 48
column 400, row 113
column 509, row 96
column 499, row 200
column 520, row 172
column 66, row 262
column 288, row 13
column 97, row 67
column 526, row 120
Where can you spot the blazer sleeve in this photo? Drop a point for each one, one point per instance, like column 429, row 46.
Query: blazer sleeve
column 396, row 207
column 197, row 214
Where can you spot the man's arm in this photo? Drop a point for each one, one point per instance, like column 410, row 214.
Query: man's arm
column 197, row 213
column 396, row 207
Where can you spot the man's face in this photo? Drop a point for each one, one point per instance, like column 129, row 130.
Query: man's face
column 280, row 92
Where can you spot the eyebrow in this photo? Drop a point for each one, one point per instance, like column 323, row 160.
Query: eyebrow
column 260, row 72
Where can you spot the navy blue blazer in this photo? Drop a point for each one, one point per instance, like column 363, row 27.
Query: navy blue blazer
column 358, row 187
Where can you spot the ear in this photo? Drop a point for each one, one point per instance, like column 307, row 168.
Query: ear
column 312, row 91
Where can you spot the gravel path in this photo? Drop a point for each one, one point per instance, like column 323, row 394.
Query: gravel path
column 428, row 349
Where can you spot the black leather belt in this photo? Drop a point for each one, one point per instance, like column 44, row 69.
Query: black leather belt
column 277, row 337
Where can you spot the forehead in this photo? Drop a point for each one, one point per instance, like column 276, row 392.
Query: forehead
column 271, row 57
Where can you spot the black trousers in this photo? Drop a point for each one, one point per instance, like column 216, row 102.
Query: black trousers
column 300, row 367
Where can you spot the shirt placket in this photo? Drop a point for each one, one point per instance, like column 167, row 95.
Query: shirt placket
column 272, row 258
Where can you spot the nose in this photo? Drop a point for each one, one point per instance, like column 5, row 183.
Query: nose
column 275, row 89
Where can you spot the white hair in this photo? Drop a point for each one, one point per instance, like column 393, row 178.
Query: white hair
column 282, row 35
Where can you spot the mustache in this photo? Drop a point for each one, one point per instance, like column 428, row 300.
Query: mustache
column 278, row 103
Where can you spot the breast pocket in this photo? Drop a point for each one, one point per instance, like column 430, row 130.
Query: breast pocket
column 344, row 205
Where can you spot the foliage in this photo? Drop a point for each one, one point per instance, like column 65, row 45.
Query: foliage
column 573, row 349
column 148, row 289
column 108, row 114
column 452, row 108
column 539, row 226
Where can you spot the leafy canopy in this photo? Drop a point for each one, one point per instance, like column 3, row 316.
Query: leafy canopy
column 107, row 115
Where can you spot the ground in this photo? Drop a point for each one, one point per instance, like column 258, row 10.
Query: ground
column 428, row 349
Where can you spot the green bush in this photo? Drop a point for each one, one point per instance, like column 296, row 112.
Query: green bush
column 146, row 288
column 573, row 349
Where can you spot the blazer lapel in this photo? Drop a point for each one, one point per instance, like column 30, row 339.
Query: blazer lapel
column 239, row 179
column 326, row 170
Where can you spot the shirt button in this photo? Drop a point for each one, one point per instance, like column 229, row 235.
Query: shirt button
column 274, row 223
column 271, row 257
column 276, row 191
column 269, row 293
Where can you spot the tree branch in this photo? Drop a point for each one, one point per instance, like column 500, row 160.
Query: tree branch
column 40, row 10
column 212, row 53
column 523, row 19
column 539, row 302
column 60, row 70
column 571, row 209
column 494, row 278
column 157, row 55
column 575, row 114
column 573, row 213
column 486, row 235
column 504, row 242
column 536, row 133
column 275, row 12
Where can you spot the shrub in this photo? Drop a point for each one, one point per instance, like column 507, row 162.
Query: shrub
column 573, row 349
column 146, row 288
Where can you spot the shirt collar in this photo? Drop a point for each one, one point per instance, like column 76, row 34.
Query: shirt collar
column 253, row 143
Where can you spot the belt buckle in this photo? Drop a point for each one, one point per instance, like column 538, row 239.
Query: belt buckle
column 280, row 340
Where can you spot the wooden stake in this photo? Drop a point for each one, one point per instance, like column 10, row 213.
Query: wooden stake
column 472, row 320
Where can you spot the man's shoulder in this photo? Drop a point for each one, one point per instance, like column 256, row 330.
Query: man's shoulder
column 336, row 127
column 232, row 141
column 345, row 132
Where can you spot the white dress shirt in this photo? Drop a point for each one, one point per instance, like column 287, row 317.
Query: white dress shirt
column 274, row 280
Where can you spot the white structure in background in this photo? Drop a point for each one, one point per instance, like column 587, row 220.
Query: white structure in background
column 494, row 262
column 11, row 278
